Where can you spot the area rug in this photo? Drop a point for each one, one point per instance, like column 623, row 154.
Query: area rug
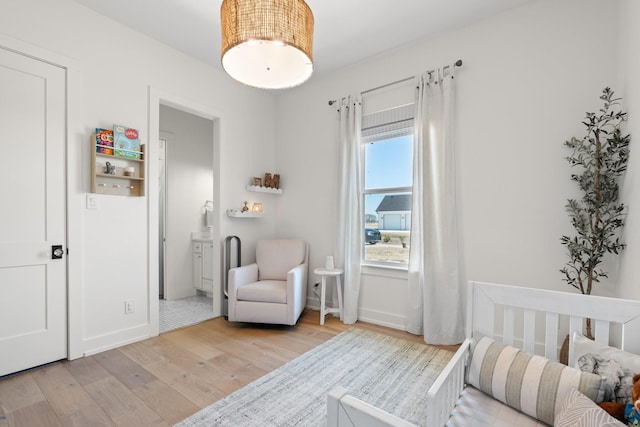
column 390, row 373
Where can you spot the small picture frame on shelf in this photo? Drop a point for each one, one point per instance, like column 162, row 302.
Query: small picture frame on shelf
column 257, row 182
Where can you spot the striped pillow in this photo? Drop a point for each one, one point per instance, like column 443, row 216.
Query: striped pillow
column 529, row 383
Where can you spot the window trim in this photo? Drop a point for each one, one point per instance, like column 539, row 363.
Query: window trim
column 394, row 271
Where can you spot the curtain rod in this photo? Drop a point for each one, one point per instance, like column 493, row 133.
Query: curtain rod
column 458, row 63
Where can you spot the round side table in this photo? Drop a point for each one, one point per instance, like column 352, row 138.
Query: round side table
column 324, row 273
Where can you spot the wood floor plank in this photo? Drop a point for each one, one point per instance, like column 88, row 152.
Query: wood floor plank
column 289, row 343
column 62, row 390
column 86, row 370
column 242, row 370
column 128, row 372
column 142, row 354
column 122, row 405
column 252, row 353
column 198, row 391
column 195, row 389
column 197, row 345
column 243, row 348
column 19, row 392
column 164, row 379
column 92, row 416
column 166, row 401
column 39, row 414
column 215, row 377
column 3, row 417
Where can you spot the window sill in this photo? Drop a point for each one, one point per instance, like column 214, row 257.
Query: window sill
column 397, row 272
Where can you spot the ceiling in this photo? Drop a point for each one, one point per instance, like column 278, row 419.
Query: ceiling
column 346, row 31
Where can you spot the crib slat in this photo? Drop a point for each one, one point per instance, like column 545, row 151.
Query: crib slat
column 507, row 327
column 480, row 315
column 529, row 334
column 575, row 325
column 551, row 336
column 602, row 332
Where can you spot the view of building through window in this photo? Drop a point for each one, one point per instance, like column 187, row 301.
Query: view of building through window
column 387, row 200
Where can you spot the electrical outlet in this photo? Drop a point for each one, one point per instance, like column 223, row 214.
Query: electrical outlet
column 129, row 306
column 92, row 201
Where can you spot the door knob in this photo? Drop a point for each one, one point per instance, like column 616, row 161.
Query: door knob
column 56, row 252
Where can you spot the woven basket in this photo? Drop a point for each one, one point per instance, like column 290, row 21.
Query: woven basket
column 564, row 351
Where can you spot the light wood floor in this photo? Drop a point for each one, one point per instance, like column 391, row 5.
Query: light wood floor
column 164, row 379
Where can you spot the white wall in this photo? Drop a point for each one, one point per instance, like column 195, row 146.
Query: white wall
column 113, row 69
column 528, row 77
column 189, row 185
column 629, row 278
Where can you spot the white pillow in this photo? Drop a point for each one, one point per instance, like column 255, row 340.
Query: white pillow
column 577, row 410
column 531, row 384
column 583, row 345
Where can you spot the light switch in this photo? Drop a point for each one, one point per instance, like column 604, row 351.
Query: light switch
column 92, row 201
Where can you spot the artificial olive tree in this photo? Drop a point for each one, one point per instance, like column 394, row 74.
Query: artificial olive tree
column 602, row 156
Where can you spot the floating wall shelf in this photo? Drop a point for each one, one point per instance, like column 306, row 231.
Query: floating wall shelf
column 258, row 189
column 234, row 213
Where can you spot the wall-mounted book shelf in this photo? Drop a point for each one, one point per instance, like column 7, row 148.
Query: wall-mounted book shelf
column 128, row 174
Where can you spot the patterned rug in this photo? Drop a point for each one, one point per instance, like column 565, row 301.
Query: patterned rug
column 182, row 312
column 387, row 372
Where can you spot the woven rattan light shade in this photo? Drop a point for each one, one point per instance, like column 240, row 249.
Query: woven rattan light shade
column 267, row 43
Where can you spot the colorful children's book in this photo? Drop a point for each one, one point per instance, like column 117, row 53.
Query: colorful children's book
column 104, row 141
column 126, row 142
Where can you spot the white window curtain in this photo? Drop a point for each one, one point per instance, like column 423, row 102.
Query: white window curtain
column 349, row 243
column 435, row 308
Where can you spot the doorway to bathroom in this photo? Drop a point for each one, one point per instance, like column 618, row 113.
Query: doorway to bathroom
column 185, row 238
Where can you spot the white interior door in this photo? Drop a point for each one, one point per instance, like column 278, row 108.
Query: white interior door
column 33, row 286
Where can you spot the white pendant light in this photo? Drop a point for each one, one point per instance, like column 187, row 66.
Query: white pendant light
column 267, row 43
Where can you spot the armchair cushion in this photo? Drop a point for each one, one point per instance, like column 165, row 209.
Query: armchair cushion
column 276, row 257
column 264, row 291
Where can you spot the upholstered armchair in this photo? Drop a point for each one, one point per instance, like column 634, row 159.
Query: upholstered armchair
column 274, row 288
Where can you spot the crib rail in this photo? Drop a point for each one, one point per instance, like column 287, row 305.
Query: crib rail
column 344, row 410
column 444, row 392
column 552, row 305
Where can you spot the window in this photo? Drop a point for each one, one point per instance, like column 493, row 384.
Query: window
column 387, row 185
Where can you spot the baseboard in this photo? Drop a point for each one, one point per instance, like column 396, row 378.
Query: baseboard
column 115, row 339
column 382, row 318
column 181, row 293
column 313, row 304
column 375, row 317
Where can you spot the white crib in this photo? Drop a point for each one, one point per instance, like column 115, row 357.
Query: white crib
column 526, row 318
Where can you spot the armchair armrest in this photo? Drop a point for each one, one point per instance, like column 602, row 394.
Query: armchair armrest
column 241, row 276
column 296, row 292
column 296, row 274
